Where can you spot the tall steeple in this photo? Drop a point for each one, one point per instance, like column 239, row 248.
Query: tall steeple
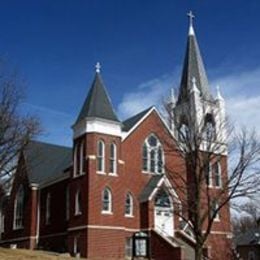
column 195, row 106
column 193, row 68
column 97, row 103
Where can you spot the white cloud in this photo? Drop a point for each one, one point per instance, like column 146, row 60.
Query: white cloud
column 147, row 94
column 245, row 111
column 242, row 94
column 238, row 82
column 241, row 91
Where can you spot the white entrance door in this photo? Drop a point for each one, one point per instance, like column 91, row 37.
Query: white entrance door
column 163, row 214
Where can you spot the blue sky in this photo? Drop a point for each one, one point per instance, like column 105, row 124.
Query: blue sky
column 140, row 44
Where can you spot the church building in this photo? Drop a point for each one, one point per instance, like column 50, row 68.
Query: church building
column 112, row 194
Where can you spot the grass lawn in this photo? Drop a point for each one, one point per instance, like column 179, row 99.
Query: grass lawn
column 23, row 254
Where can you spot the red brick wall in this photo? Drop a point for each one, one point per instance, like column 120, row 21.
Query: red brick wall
column 58, row 223
column 106, row 243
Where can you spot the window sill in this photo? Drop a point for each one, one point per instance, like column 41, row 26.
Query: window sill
column 18, row 228
column 129, row 216
column 214, row 187
column 78, row 214
column 153, row 173
column 79, row 175
column 106, row 212
column 113, row 174
column 101, row 173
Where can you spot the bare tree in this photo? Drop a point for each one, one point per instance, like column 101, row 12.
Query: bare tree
column 207, row 186
column 16, row 128
column 249, row 219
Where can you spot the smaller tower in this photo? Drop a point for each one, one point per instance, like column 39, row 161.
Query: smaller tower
column 96, row 120
column 97, row 113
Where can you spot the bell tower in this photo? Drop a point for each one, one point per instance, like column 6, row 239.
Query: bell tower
column 195, row 108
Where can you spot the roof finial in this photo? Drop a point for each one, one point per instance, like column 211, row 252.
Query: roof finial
column 194, row 87
column 172, row 98
column 219, row 96
column 98, row 67
column 191, row 17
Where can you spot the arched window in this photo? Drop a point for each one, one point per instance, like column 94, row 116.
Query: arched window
column 209, row 133
column 100, row 156
column 217, row 174
column 106, row 201
column 153, row 157
column 75, row 160
column 78, row 203
column 215, row 210
column 183, row 133
column 19, row 208
column 48, row 209
column 209, row 174
column 128, row 205
column 145, row 157
column 162, row 199
column 81, row 162
column 112, row 159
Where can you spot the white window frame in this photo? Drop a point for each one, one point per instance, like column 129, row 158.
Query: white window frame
column 218, row 175
column 81, row 162
column 217, row 217
column 78, row 203
column 209, row 175
column 19, row 209
column 101, row 156
column 131, row 205
column 183, row 133
column 148, row 159
column 113, row 159
column 75, row 160
column 76, row 246
column 107, row 201
column 48, row 209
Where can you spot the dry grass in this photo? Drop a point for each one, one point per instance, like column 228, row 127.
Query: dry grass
column 23, row 254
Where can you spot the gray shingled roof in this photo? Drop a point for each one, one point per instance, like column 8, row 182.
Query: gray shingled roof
column 130, row 122
column 250, row 237
column 97, row 103
column 46, row 162
column 149, row 187
column 193, row 67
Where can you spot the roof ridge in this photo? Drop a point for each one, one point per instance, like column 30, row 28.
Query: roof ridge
column 131, row 121
column 143, row 111
column 50, row 144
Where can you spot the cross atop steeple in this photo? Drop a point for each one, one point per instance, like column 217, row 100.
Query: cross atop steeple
column 191, row 17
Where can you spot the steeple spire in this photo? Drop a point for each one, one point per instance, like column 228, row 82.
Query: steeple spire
column 97, row 103
column 193, row 67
